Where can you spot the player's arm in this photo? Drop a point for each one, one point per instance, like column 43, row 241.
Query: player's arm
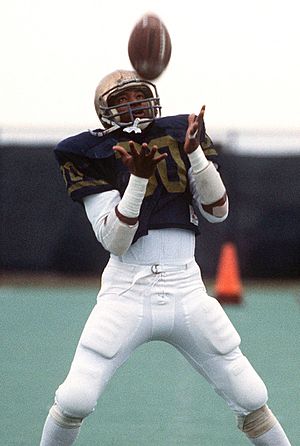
column 115, row 220
column 141, row 166
column 92, row 187
column 205, row 181
column 114, row 231
column 113, row 235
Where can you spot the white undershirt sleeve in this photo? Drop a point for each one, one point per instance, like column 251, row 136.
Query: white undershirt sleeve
column 114, row 235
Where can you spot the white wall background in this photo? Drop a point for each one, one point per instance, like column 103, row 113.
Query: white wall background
column 239, row 57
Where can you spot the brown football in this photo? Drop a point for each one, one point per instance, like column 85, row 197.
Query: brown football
column 149, row 47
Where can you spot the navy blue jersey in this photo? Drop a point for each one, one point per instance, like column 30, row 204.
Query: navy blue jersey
column 90, row 166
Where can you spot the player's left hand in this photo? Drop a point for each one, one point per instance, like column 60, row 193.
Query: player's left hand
column 195, row 124
column 143, row 163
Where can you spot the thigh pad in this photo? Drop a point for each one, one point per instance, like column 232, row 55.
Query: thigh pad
column 112, row 323
column 210, row 326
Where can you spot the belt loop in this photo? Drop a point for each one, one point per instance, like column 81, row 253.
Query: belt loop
column 155, row 269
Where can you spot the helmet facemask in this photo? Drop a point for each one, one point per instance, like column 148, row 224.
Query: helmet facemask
column 118, row 82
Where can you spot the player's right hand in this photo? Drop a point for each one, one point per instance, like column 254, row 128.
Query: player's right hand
column 141, row 164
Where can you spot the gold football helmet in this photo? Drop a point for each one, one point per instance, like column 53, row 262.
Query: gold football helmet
column 113, row 84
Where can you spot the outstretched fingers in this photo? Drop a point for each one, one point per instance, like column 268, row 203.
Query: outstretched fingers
column 202, row 111
column 195, row 123
column 133, row 151
column 122, row 152
column 151, row 154
column 200, row 117
column 194, row 129
column 140, row 163
column 159, row 158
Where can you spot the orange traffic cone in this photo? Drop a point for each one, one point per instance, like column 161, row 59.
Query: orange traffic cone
column 228, row 286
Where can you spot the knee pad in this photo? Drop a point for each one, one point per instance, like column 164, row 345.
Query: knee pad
column 63, row 420
column 250, row 392
column 257, row 423
column 76, row 399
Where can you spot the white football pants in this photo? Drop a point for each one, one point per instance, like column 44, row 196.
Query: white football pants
column 138, row 304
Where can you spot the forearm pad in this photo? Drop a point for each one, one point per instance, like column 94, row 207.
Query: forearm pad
column 209, row 184
column 132, row 199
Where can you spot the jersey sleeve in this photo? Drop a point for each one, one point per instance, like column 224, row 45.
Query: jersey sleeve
column 208, row 148
column 84, row 176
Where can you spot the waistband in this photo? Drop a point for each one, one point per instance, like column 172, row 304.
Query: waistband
column 155, row 268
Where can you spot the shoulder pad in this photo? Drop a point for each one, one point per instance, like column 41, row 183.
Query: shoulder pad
column 89, row 144
column 175, row 126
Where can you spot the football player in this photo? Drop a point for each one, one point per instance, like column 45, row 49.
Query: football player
column 143, row 180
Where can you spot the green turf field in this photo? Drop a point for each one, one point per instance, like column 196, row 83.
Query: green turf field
column 156, row 399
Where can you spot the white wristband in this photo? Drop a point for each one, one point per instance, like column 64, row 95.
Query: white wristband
column 198, row 160
column 131, row 202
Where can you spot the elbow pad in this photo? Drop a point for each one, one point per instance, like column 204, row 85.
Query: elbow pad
column 116, row 237
column 219, row 213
